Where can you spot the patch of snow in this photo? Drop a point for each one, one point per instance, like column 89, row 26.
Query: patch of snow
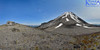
column 64, row 17
column 75, row 18
column 66, row 14
column 87, row 27
column 59, row 25
column 67, row 19
column 78, row 25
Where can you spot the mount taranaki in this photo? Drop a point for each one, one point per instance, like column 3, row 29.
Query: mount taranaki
column 69, row 23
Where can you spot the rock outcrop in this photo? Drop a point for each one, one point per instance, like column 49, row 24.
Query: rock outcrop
column 11, row 23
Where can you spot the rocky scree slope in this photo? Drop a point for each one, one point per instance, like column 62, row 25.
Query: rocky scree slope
column 14, row 36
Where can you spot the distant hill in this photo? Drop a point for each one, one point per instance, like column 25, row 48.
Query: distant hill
column 33, row 25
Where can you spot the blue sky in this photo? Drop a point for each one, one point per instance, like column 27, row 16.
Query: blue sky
column 33, row 12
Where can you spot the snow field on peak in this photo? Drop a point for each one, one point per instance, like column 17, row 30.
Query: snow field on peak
column 71, row 15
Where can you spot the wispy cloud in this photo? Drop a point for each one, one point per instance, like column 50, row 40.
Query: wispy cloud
column 91, row 12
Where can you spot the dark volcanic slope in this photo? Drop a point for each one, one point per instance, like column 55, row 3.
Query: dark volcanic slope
column 70, row 24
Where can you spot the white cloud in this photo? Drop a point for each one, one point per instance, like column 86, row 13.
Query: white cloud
column 91, row 12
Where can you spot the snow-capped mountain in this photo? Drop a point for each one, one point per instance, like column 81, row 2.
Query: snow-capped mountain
column 68, row 19
column 69, row 23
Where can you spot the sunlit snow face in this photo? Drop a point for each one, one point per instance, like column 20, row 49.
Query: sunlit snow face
column 59, row 25
column 67, row 19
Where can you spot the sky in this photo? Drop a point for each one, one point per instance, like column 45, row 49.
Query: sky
column 35, row 12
